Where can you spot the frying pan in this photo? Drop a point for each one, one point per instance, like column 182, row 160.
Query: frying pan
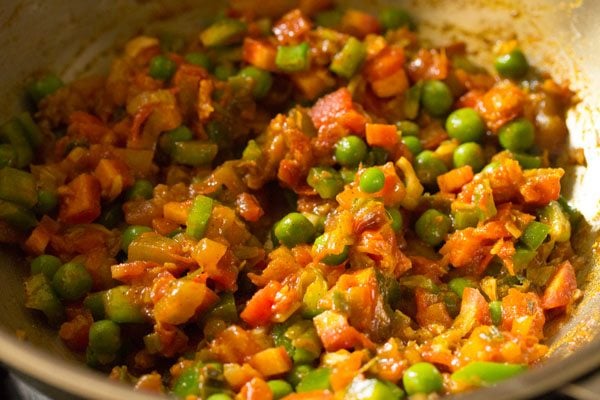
column 78, row 38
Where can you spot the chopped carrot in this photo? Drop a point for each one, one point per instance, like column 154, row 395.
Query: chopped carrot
column 561, row 287
column 387, row 62
column 80, row 200
column 359, row 23
column 272, row 361
column 259, row 309
column 177, row 211
column 114, row 176
column 256, row 389
column 453, row 180
column 38, row 240
column 382, row 135
column 392, row 85
column 312, row 395
column 259, row 53
column 314, row 82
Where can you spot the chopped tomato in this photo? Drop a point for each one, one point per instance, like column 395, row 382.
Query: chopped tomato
column 292, row 27
column 382, row 135
column 336, row 333
column 428, row 64
column 454, row 180
column 337, row 107
column 517, row 305
column 561, row 287
column 259, row 53
column 259, row 309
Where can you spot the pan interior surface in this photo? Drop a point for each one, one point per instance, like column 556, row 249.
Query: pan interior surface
column 558, row 36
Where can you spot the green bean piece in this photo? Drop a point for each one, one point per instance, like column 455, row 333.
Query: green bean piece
column 372, row 180
column 47, row 201
column 17, row 216
column 350, row 151
column 262, row 80
column 279, row 388
column 199, row 59
column 422, row 377
column 326, row 181
column 349, row 60
column 496, row 312
column 223, row 32
column 412, row 100
column 199, row 216
column 458, row 285
column 373, row 389
column 413, row 143
column 558, row 221
column 95, row 303
column 141, row 189
column 294, row 229
column 465, row 125
column 394, row 18
column 428, row 167
column 527, row 161
column 131, row 233
column 225, row 309
column 522, row 257
column 486, row 373
column 194, row 153
column 297, row 373
column 331, row 259
column 162, row 68
column 465, row 218
column 293, row 58
column 45, row 264
column 512, row 64
column 317, row 379
column 396, row 218
column 408, row 128
column 534, row 234
column 72, row 281
column 517, row 136
column 18, row 187
column 120, row 307
column 432, row 227
column 168, row 139
column 105, row 337
column 43, row 87
column 32, row 131
column 12, row 132
column 436, row 98
column 469, row 154
column 8, row 155
column 39, row 295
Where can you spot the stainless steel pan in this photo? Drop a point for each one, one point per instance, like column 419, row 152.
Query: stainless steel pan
column 77, row 38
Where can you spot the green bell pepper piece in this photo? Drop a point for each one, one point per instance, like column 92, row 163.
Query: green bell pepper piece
column 485, row 373
column 199, row 215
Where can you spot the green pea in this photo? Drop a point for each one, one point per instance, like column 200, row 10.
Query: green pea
column 428, row 167
column 465, row 125
column 262, row 80
column 162, row 68
column 131, row 233
column 47, row 202
column 394, row 18
column 413, row 143
column 331, row 259
column 180, row 134
column 517, row 136
column 436, row 98
column 44, row 86
column 45, row 264
column 199, row 59
column 350, row 151
column 105, row 337
column 458, row 285
column 141, row 189
column 422, row 377
column 294, row 229
column 72, row 281
column 396, row 217
column 224, row 71
column 408, row 128
column 372, row 180
column 512, row 64
column 326, row 181
column 297, row 373
column 469, row 154
column 432, row 227
column 496, row 312
column 279, row 388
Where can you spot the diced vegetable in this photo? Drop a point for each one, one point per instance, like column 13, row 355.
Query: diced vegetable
column 120, row 306
column 199, row 216
column 223, row 32
column 39, row 295
column 348, row 61
column 293, row 58
column 485, row 373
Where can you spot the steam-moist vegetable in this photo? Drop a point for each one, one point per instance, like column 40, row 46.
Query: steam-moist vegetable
column 313, row 205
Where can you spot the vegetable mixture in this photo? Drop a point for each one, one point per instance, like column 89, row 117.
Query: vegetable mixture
column 309, row 206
